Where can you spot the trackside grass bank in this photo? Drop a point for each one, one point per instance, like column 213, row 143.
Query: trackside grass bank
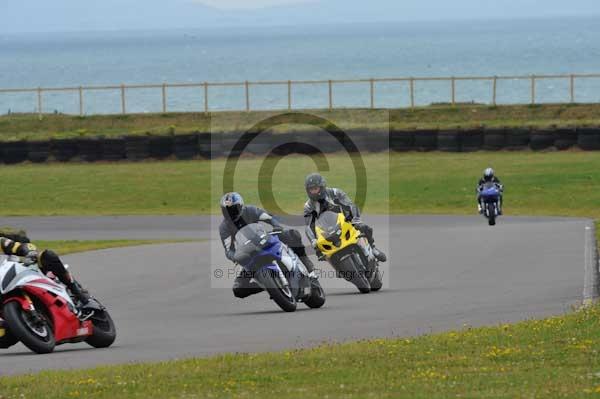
column 65, row 247
column 30, row 127
column 556, row 183
column 555, row 357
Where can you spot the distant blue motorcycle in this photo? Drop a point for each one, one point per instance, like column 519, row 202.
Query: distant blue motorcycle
column 490, row 197
column 276, row 268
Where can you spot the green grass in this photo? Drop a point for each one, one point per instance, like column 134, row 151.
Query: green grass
column 28, row 126
column 65, row 247
column 556, row 183
column 555, row 357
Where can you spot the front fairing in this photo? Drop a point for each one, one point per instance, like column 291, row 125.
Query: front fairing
column 253, row 244
column 14, row 276
column 334, row 233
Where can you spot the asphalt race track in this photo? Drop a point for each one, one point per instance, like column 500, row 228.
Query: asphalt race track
column 444, row 272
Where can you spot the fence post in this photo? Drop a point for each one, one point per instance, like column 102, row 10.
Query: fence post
column 39, row 98
column 572, row 88
column 372, row 93
column 247, row 86
column 206, row 97
column 164, row 98
column 412, row 92
column 330, row 95
column 494, row 90
column 532, row 89
column 123, row 106
column 453, row 91
column 289, row 85
column 80, row 101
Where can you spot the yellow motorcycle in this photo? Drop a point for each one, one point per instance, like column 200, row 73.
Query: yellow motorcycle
column 348, row 251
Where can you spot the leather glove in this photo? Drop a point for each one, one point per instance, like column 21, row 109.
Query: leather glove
column 31, row 258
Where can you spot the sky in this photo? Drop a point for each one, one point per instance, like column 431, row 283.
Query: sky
column 17, row 16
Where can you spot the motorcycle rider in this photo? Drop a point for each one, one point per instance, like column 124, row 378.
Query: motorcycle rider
column 236, row 215
column 489, row 176
column 322, row 198
column 48, row 261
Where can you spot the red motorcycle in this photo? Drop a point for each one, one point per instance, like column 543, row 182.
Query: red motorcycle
column 38, row 311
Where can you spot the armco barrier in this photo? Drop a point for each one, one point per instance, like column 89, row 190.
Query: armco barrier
column 207, row 146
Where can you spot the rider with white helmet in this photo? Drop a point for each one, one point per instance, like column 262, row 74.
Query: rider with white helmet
column 489, row 176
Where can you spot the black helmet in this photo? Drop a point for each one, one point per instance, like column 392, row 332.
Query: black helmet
column 232, row 206
column 488, row 174
column 315, row 186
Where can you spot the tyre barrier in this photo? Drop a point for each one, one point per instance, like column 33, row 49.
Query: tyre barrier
column 542, row 139
column 494, row 139
column 472, row 139
column 205, row 145
column 402, row 140
column 160, row 147
column 14, row 152
column 588, row 138
column 449, row 141
column 38, row 151
column 565, row 138
column 186, row 146
column 90, row 150
column 426, row 140
column 63, row 150
column 113, row 149
column 208, row 146
column 517, row 138
column 137, row 148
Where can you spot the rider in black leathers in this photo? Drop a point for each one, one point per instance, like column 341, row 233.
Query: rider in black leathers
column 322, row 198
column 236, row 215
column 48, row 261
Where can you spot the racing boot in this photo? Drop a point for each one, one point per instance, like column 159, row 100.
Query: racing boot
column 81, row 294
column 379, row 255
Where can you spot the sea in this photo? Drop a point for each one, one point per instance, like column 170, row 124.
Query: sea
column 338, row 52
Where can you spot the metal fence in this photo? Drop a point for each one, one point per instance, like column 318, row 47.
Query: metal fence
column 202, row 91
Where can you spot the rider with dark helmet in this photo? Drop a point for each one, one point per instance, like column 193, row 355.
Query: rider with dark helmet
column 48, row 261
column 322, row 198
column 489, row 176
column 236, row 215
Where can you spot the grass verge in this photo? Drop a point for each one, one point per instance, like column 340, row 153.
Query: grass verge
column 29, row 126
column 557, row 183
column 555, row 357
column 65, row 247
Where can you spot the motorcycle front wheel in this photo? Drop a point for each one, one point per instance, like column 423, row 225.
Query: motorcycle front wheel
column 33, row 330
column 280, row 292
column 104, row 333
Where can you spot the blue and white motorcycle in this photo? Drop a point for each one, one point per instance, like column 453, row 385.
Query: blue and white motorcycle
column 491, row 195
column 276, row 268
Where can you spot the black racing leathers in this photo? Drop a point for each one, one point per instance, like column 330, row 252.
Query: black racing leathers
column 242, row 286
column 48, row 261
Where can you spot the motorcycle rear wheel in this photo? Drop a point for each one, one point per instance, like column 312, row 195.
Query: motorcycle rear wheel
column 317, row 295
column 39, row 341
column 104, row 333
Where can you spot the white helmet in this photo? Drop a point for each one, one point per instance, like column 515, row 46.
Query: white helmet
column 488, row 174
